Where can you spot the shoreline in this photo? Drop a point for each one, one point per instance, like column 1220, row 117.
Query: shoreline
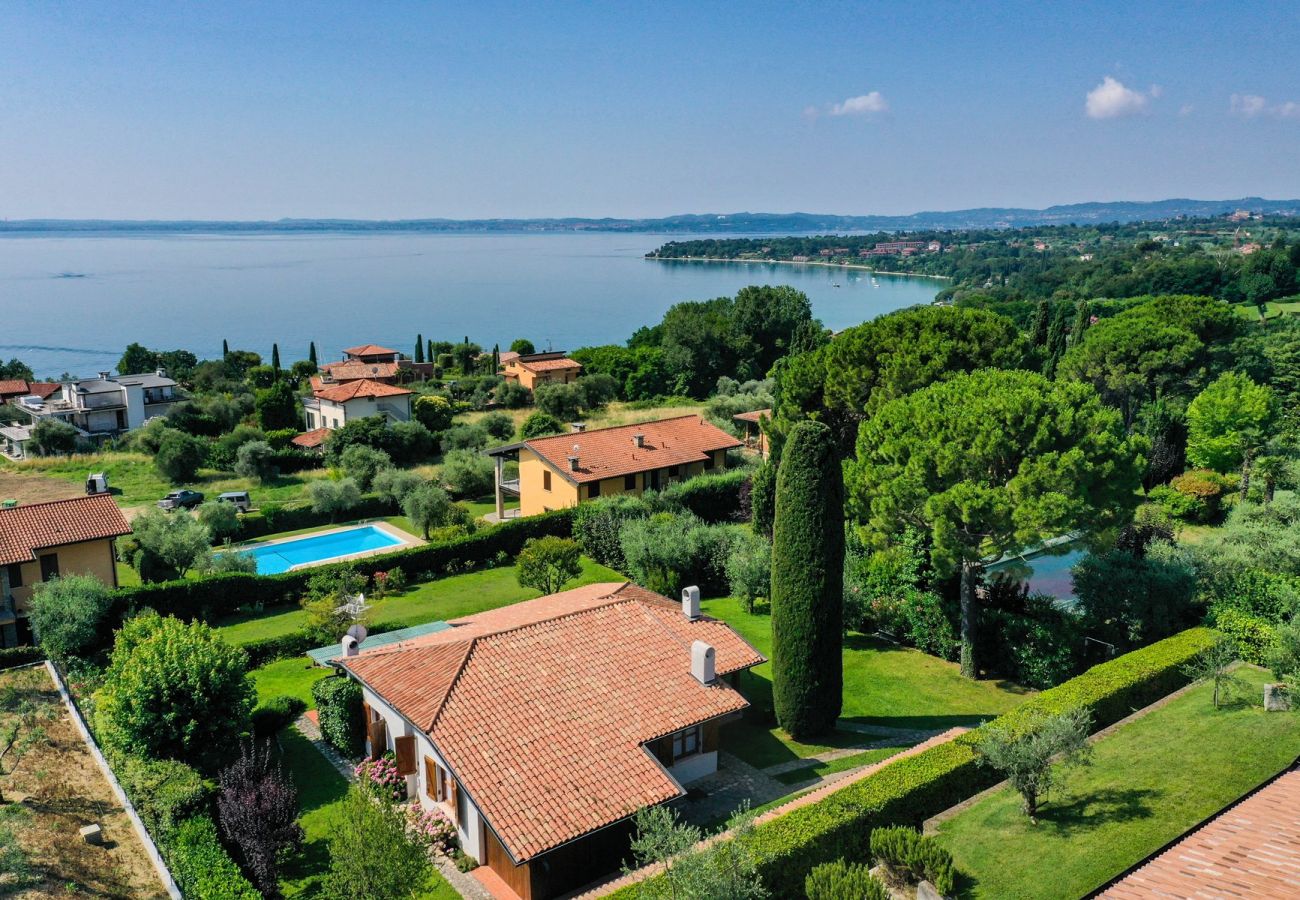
column 791, row 262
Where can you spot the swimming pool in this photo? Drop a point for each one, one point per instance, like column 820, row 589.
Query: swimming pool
column 1046, row 570
column 284, row 555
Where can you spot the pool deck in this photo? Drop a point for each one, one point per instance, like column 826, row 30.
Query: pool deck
column 404, row 540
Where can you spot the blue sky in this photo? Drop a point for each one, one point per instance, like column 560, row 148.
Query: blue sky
column 397, row 110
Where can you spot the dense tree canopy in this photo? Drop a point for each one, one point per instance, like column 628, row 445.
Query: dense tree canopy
column 989, row 462
column 1228, row 422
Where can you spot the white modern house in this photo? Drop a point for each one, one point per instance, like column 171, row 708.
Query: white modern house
column 96, row 407
column 335, row 405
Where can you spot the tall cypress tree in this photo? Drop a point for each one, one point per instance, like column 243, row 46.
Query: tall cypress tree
column 1042, row 318
column 808, row 583
column 428, row 350
column 1082, row 319
column 225, row 348
column 275, row 358
column 419, row 348
column 1057, row 338
column 496, row 358
column 311, row 353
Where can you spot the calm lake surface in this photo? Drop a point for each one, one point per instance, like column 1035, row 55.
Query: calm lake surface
column 72, row 303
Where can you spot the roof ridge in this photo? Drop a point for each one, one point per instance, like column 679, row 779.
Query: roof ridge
column 557, row 616
column 580, row 434
column 451, row 685
column 81, row 499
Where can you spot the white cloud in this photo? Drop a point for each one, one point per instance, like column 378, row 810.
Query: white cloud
column 862, row 105
column 1248, row 106
column 1111, row 100
column 1186, row 109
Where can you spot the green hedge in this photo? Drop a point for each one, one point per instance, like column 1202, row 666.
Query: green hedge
column 165, row 792
column 284, row 646
column 911, row 790
column 273, row 715
column 712, row 497
column 20, row 656
column 201, row 866
column 215, row 596
column 274, row 518
column 338, row 710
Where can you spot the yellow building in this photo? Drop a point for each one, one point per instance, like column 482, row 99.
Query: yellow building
column 541, row 368
column 40, row 541
column 566, row 469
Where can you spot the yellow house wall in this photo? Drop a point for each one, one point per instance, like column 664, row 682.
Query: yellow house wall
column 534, row 499
column 89, row 558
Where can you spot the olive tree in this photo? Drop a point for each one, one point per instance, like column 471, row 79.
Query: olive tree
column 547, row 563
column 1032, row 752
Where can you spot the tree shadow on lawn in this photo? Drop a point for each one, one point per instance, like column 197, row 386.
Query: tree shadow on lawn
column 1097, row 808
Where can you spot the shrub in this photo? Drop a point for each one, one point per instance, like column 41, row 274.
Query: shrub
column 19, row 656
column 410, row 443
column 596, row 391
column 597, row 526
column 165, row 792
column 1255, row 638
column 69, row 614
column 749, row 568
column 714, row 498
column 257, row 807
column 430, row 828
column 434, row 412
column 908, row 852
column 1203, row 492
column 512, row 395
column 668, row 552
column 468, row 474
column 371, row 856
column 179, row 456
column 467, row 437
column 256, row 459
column 201, row 866
column 546, row 564
column 362, row 464
column 333, row 497
column 275, row 714
column 53, row 437
column 762, row 497
column 220, row 519
column 338, row 710
column 540, row 424
column 231, row 561
column 561, row 401
column 173, row 691
column 380, row 776
column 840, row 880
column 1039, row 647
column 808, row 583
column 499, row 426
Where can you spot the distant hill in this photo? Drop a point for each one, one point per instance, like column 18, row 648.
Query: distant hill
column 731, row 223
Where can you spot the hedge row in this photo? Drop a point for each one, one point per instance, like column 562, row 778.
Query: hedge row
column 911, row 790
column 201, row 866
column 215, row 596
column 20, row 656
column 714, row 498
column 273, row 518
column 339, row 711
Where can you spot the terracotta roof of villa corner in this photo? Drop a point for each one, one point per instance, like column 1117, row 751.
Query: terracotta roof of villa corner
column 13, row 387
column 342, row 393
column 43, row 389
column 352, row 370
column 368, row 350
column 547, row 365
column 612, row 452
column 753, row 415
column 310, row 439
column 542, row 709
column 35, row 526
column 1249, row 850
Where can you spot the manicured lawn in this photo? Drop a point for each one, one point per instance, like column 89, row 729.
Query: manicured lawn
column 320, row 790
column 445, row 598
column 293, row 677
column 1148, row 783
column 883, row 685
column 820, row 770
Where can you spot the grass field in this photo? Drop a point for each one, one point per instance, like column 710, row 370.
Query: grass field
column 1275, row 309
column 445, row 598
column 320, row 791
column 618, row 413
column 883, row 685
column 1149, row 782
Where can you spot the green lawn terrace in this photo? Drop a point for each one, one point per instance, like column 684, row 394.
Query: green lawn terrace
column 1152, row 778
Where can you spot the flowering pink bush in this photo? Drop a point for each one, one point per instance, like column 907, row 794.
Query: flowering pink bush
column 381, row 774
column 430, row 828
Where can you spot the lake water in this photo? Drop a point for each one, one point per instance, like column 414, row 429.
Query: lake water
column 73, row 302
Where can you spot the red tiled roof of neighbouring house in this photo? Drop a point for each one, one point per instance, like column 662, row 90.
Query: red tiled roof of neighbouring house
column 753, row 415
column 309, row 440
column 342, row 393
column 612, row 452
column 36, row 526
column 542, row 709
column 1250, row 850
column 353, row 370
column 547, row 365
column 507, row 355
column 43, row 389
column 14, row 387
column 368, row 350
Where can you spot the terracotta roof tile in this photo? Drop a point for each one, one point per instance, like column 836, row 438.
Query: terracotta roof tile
column 342, row 393
column 310, row 439
column 43, row 389
column 351, row 370
column 753, row 415
column 1250, row 850
column 612, row 452
column 35, row 526
column 547, row 365
column 368, row 350
column 14, row 387
column 543, row 709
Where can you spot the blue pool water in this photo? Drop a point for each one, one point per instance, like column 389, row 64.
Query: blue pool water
column 1046, row 571
column 275, row 558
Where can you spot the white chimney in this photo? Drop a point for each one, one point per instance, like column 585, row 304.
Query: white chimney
column 691, row 602
column 577, row 427
column 350, row 645
column 703, row 663
column 638, row 439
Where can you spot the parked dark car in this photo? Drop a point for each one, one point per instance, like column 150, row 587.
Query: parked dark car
column 181, row 500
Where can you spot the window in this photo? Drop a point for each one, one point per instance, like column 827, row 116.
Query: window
column 546, row 481
column 629, row 482
column 708, row 461
column 686, row 743
column 593, row 490
column 672, row 471
column 15, row 571
column 49, row 566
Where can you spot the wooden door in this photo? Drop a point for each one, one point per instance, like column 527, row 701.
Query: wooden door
column 517, row 878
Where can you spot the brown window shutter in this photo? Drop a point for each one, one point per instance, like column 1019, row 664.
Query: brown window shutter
column 453, row 795
column 366, row 715
column 378, row 738
column 405, row 750
column 431, row 779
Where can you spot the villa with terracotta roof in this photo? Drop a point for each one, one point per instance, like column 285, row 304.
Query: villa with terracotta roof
column 333, row 406
column 40, row 541
column 566, row 469
column 751, row 423
column 371, row 353
column 533, row 369
column 541, row 728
